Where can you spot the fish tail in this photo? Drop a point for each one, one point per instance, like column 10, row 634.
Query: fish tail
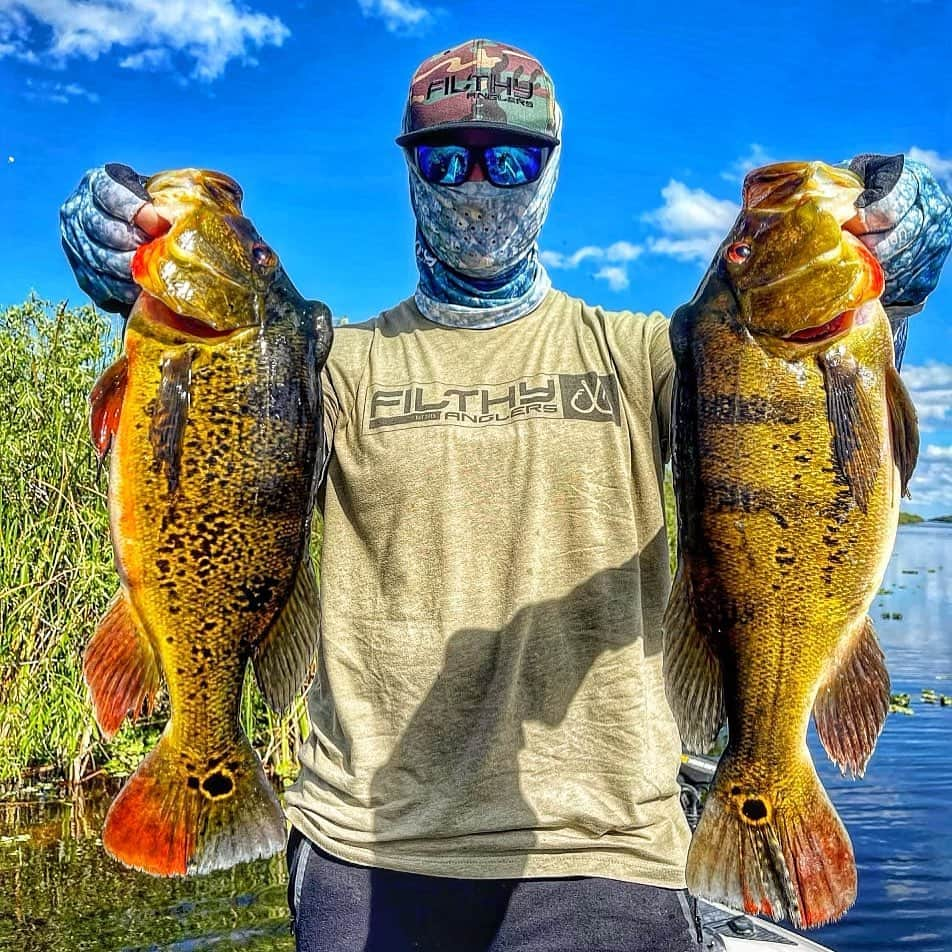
column 771, row 852
column 175, row 817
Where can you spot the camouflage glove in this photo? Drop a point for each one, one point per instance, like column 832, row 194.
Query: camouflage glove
column 905, row 218
column 100, row 236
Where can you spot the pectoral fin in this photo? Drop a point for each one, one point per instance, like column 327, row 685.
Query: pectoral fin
column 284, row 661
column 853, row 425
column 904, row 427
column 120, row 668
column 105, row 404
column 170, row 414
column 852, row 703
column 692, row 673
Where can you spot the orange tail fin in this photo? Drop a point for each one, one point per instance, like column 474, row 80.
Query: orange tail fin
column 171, row 819
column 779, row 855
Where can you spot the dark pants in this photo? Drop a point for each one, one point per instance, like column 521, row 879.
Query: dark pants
column 340, row 907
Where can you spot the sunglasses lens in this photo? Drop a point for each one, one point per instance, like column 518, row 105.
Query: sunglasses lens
column 508, row 165
column 443, row 164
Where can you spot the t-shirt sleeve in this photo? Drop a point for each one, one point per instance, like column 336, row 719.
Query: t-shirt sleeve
column 339, row 380
column 661, row 361
column 331, row 407
column 642, row 357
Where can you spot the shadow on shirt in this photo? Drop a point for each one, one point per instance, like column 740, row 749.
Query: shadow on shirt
column 540, row 725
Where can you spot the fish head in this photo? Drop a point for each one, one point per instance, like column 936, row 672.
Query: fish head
column 800, row 280
column 177, row 191
column 210, row 273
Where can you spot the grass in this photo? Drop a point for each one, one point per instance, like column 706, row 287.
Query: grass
column 56, row 562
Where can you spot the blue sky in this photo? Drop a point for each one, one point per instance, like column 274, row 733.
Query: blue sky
column 665, row 107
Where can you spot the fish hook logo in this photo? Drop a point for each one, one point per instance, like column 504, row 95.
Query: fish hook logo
column 590, row 396
column 597, row 397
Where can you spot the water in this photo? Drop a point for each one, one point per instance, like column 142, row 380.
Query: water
column 59, row 892
column 898, row 814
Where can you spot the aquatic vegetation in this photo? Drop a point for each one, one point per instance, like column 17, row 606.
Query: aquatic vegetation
column 900, row 704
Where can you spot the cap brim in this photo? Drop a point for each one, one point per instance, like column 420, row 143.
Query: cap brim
column 409, row 138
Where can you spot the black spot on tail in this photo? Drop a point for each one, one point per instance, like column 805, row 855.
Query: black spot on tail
column 754, row 809
column 218, row 784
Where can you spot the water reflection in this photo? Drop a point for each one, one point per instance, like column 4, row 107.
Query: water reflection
column 59, row 892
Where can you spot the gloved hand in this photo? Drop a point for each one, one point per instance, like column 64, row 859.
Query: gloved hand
column 101, row 224
column 905, row 218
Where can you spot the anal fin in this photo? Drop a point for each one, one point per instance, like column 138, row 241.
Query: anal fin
column 851, row 705
column 692, row 673
column 120, row 668
column 284, row 660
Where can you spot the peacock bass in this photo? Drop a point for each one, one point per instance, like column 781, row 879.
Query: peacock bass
column 793, row 441
column 212, row 415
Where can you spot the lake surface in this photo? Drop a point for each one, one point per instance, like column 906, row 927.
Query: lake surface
column 899, row 815
column 59, row 892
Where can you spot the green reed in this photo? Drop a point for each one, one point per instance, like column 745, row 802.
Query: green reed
column 56, row 561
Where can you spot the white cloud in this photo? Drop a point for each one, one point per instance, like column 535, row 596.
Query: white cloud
column 691, row 211
column 613, row 258
column 151, row 58
column 931, row 485
column 930, row 386
column 700, row 249
column 48, row 91
column 622, row 251
column 941, row 166
column 399, row 16
column 615, row 275
column 555, row 259
column 755, row 158
column 209, row 34
column 692, row 222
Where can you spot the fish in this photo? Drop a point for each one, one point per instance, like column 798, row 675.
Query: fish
column 793, row 441
column 212, row 421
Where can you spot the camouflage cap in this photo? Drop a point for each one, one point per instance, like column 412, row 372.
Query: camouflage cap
column 481, row 84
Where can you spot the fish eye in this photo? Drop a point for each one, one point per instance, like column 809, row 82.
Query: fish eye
column 738, row 252
column 263, row 256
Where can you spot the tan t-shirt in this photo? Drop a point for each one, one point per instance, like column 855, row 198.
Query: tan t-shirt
column 490, row 701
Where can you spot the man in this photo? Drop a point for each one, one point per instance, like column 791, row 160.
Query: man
column 491, row 763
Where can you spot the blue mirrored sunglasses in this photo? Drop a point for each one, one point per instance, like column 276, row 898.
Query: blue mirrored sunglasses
column 505, row 165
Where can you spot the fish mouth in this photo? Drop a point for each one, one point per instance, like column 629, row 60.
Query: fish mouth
column 810, row 335
column 160, row 314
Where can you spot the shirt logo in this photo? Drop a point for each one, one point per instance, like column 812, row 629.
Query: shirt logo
column 589, row 396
